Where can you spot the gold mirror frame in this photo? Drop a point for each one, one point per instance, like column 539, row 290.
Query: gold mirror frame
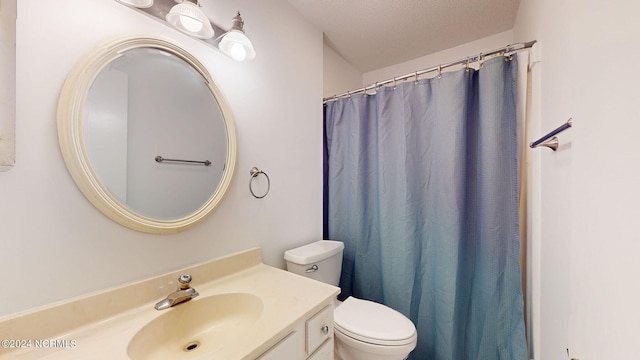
column 70, row 116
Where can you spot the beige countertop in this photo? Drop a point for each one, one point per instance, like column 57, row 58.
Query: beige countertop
column 100, row 326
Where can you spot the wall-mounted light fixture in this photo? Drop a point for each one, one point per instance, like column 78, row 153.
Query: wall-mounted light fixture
column 187, row 17
column 235, row 43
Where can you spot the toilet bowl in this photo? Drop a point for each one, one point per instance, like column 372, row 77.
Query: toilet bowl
column 364, row 330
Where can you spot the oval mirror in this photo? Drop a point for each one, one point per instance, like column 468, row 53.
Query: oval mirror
column 146, row 135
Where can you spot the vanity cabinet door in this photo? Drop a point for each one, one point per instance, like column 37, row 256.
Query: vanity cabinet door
column 319, row 329
column 311, row 340
column 287, row 348
column 325, row 352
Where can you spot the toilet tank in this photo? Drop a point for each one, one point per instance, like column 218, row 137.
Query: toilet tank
column 321, row 260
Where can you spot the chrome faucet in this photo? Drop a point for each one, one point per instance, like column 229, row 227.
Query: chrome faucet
column 184, row 293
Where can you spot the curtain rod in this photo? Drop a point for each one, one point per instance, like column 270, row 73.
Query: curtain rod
column 507, row 50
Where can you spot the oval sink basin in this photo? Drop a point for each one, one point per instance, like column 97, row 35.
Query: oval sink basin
column 196, row 327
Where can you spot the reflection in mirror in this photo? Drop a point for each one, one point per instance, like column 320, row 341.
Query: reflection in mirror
column 131, row 102
column 149, row 103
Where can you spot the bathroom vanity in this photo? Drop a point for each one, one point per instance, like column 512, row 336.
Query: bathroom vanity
column 311, row 339
column 245, row 310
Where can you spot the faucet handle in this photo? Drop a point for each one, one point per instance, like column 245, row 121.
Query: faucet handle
column 183, row 281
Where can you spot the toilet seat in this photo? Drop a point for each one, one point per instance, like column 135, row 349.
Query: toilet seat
column 373, row 323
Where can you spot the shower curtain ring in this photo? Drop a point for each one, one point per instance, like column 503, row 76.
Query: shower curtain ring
column 480, row 61
column 467, row 65
column 439, row 71
column 416, row 81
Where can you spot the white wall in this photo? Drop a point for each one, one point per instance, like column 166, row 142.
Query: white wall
column 54, row 244
column 339, row 75
column 588, row 233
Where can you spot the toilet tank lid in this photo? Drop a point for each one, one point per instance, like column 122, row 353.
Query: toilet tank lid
column 314, row 252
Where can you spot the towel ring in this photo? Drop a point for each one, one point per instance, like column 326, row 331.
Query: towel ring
column 254, row 173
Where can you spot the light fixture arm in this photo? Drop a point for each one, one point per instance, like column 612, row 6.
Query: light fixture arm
column 238, row 24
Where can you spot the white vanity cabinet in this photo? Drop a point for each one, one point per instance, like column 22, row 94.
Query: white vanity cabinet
column 287, row 348
column 246, row 310
column 319, row 332
column 311, row 339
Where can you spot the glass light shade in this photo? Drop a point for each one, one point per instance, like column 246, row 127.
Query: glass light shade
column 138, row 3
column 237, row 45
column 188, row 18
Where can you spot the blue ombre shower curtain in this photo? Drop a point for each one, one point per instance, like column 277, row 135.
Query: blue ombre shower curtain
column 421, row 184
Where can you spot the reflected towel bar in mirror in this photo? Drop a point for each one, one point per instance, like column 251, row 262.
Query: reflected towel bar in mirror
column 161, row 159
column 551, row 140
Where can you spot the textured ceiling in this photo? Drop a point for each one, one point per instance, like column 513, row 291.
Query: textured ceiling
column 372, row 34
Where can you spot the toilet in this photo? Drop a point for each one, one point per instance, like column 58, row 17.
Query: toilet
column 364, row 330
